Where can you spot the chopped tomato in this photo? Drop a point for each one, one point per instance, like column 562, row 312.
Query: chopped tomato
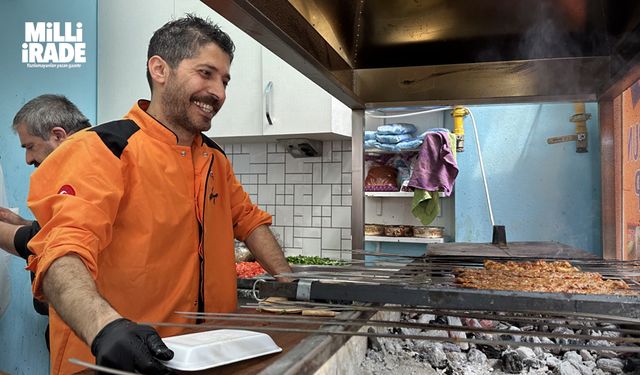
column 247, row 270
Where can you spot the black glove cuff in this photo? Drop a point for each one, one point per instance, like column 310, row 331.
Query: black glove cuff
column 103, row 332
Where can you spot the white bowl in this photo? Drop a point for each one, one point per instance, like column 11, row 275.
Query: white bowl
column 203, row 350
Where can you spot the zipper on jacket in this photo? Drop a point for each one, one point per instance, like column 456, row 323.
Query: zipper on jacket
column 201, row 228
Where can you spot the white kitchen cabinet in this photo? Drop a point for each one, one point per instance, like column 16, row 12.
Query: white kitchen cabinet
column 298, row 106
column 281, row 104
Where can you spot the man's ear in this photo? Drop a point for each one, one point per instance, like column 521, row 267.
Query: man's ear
column 158, row 69
column 58, row 134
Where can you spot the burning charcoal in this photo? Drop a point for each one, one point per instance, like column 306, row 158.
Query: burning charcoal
column 597, row 371
column 562, row 340
column 586, row 356
column 511, row 337
column 436, row 357
column 372, row 342
column 488, row 323
column 613, row 366
column 595, row 333
column 426, row 318
column 610, row 334
column 632, row 364
column 439, row 320
column 546, row 340
column 540, row 353
column 451, row 347
column 572, row 357
column 525, row 352
column 527, row 327
column 533, row 363
column 607, row 354
column 584, row 369
column 490, row 351
column 567, row 368
column 543, row 328
column 590, row 364
column 471, row 322
column 484, row 336
column 476, row 357
column 436, row 333
column 411, row 331
column 599, row 343
column 511, row 362
column 457, row 360
column 552, row 362
column 390, row 346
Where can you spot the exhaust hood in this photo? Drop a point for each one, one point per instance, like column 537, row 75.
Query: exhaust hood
column 369, row 53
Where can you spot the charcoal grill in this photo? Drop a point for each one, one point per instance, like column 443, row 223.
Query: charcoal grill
column 429, row 281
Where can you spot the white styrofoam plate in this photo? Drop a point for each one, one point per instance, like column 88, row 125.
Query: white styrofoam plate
column 203, row 350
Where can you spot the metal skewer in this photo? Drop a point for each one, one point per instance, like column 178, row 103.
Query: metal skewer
column 92, row 366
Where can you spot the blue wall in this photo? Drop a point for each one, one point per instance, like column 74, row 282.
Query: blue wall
column 540, row 192
column 21, row 329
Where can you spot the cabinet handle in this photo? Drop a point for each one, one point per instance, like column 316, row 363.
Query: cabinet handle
column 268, row 102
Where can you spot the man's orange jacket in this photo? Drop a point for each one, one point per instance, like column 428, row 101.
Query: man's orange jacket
column 154, row 223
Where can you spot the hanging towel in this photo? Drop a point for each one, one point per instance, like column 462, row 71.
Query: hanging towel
column 425, row 206
column 435, row 170
column 436, row 167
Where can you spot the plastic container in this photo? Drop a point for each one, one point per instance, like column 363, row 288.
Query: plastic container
column 203, row 350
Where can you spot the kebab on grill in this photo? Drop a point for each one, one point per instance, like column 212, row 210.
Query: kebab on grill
column 539, row 276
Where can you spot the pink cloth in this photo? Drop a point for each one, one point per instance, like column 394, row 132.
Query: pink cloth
column 436, row 168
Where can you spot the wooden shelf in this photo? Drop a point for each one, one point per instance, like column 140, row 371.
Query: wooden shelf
column 403, row 239
column 393, row 194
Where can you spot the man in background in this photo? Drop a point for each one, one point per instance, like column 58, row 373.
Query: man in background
column 42, row 124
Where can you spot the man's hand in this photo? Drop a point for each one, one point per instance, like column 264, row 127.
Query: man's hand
column 11, row 217
column 125, row 345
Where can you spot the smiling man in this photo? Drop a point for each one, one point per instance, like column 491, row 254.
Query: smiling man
column 140, row 221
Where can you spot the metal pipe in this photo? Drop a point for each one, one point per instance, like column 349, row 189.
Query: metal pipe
column 484, row 177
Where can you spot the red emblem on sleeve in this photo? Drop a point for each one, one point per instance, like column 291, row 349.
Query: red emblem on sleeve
column 67, row 190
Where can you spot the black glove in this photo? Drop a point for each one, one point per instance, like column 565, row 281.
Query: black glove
column 125, row 345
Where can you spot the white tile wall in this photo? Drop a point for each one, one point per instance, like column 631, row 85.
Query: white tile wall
column 332, row 173
column 310, row 198
column 266, row 194
column 275, row 173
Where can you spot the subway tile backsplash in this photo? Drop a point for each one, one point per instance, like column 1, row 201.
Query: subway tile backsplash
column 309, row 198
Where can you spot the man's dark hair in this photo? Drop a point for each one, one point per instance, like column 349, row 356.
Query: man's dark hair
column 45, row 112
column 182, row 39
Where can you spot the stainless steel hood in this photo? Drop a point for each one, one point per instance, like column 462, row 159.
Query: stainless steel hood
column 369, row 53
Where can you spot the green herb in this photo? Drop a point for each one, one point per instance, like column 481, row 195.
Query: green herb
column 303, row 259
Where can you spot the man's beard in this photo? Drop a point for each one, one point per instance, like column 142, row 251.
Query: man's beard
column 176, row 102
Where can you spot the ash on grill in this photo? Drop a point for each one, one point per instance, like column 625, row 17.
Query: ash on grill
column 406, row 356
